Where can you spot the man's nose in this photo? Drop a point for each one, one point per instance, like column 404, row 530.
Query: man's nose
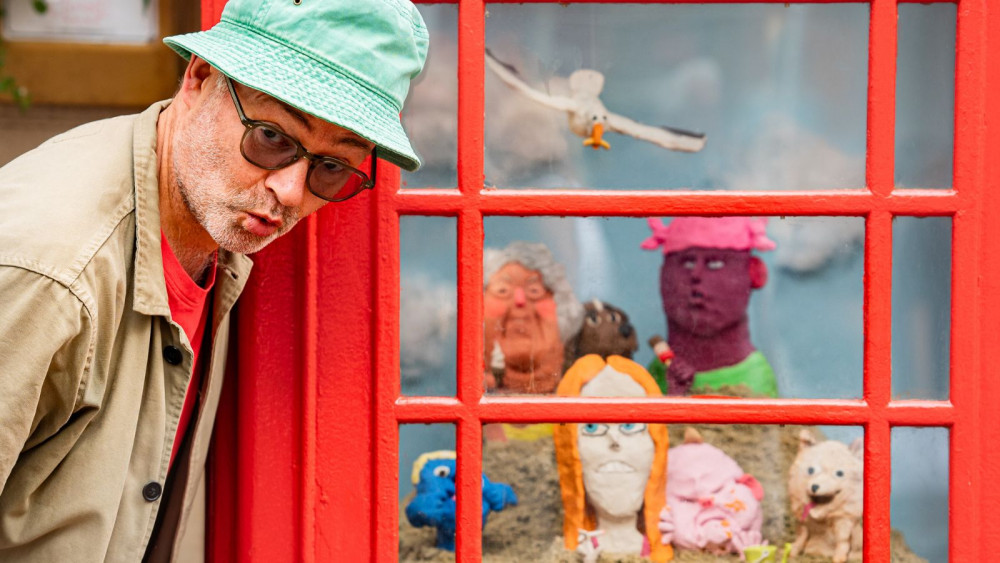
column 289, row 183
column 519, row 298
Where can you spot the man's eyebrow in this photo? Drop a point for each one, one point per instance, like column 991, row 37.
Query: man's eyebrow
column 356, row 142
column 296, row 114
column 301, row 117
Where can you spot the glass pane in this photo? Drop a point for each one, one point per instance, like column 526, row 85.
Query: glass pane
column 428, row 304
column 925, row 95
column 789, row 318
column 921, row 307
column 426, row 498
column 779, row 91
column 728, row 488
column 430, row 114
column 920, row 491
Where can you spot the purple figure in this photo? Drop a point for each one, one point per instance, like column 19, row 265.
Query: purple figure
column 707, row 275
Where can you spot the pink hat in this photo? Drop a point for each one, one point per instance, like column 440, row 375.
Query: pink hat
column 734, row 233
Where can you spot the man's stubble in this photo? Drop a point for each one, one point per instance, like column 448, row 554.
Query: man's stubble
column 215, row 201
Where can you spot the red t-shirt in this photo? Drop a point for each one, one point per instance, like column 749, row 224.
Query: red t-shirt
column 189, row 307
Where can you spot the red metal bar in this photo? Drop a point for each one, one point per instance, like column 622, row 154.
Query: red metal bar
column 983, row 388
column 676, row 203
column 470, row 385
column 471, row 96
column 877, row 384
column 385, row 451
column 880, row 159
column 968, row 392
column 673, row 410
column 880, row 165
column 468, row 483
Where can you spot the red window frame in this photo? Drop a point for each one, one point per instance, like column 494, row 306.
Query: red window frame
column 305, row 463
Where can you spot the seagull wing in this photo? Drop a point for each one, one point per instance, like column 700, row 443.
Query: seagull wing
column 666, row 137
column 510, row 76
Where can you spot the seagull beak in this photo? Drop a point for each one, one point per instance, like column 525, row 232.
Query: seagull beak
column 595, row 140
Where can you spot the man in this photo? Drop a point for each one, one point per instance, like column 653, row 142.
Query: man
column 707, row 275
column 121, row 256
column 529, row 313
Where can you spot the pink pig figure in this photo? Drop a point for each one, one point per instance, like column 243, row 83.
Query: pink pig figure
column 712, row 505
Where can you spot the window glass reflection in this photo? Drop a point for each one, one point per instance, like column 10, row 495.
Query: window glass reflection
column 920, row 490
column 921, row 307
column 426, row 489
column 428, row 305
column 925, row 95
column 734, row 305
column 779, row 91
column 430, row 113
column 698, row 492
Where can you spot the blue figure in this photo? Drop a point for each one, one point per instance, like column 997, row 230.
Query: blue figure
column 434, row 503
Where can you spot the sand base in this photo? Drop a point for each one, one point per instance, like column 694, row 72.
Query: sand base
column 532, row 531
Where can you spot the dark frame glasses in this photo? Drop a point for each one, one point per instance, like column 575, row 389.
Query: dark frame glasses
column 268, row 147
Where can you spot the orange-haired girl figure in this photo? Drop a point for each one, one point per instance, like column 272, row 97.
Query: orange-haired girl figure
column 612, row 475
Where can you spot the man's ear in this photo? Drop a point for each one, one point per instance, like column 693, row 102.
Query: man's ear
column 758, row 272
column 196, row 78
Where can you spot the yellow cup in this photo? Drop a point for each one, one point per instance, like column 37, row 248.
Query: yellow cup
column 765, row 553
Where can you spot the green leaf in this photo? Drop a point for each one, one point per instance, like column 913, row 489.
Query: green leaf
column 41, row 6
column 22, row 98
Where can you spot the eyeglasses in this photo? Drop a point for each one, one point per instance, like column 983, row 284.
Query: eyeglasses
column 270, row 148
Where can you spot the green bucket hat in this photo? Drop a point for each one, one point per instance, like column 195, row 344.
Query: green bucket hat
column 348, row 62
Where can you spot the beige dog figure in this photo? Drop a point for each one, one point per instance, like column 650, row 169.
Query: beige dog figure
column 825, row 487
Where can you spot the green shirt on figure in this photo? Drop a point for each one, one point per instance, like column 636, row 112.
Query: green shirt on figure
column 754, row 372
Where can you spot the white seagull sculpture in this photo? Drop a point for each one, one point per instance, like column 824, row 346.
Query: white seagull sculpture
column 588, row 118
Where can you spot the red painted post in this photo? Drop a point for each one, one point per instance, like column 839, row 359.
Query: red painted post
column 985, row 465
column 969, row 457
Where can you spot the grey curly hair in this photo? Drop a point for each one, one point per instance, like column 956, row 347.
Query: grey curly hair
column 536, row 256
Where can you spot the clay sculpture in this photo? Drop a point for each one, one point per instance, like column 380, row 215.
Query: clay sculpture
column 606, row 331
column 712, row 504
column 612, row 475
column 708, row 274
column 434, row 504
column 588, row 118
column 529, row 314
column 826, row 489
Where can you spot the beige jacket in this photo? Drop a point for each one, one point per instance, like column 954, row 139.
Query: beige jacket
column 90, row 385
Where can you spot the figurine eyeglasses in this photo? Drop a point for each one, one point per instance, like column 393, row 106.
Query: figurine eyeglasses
column 267, row 146
column 600, row 429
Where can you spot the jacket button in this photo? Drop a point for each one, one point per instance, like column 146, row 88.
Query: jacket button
column 152, row 491
column 173, row 355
